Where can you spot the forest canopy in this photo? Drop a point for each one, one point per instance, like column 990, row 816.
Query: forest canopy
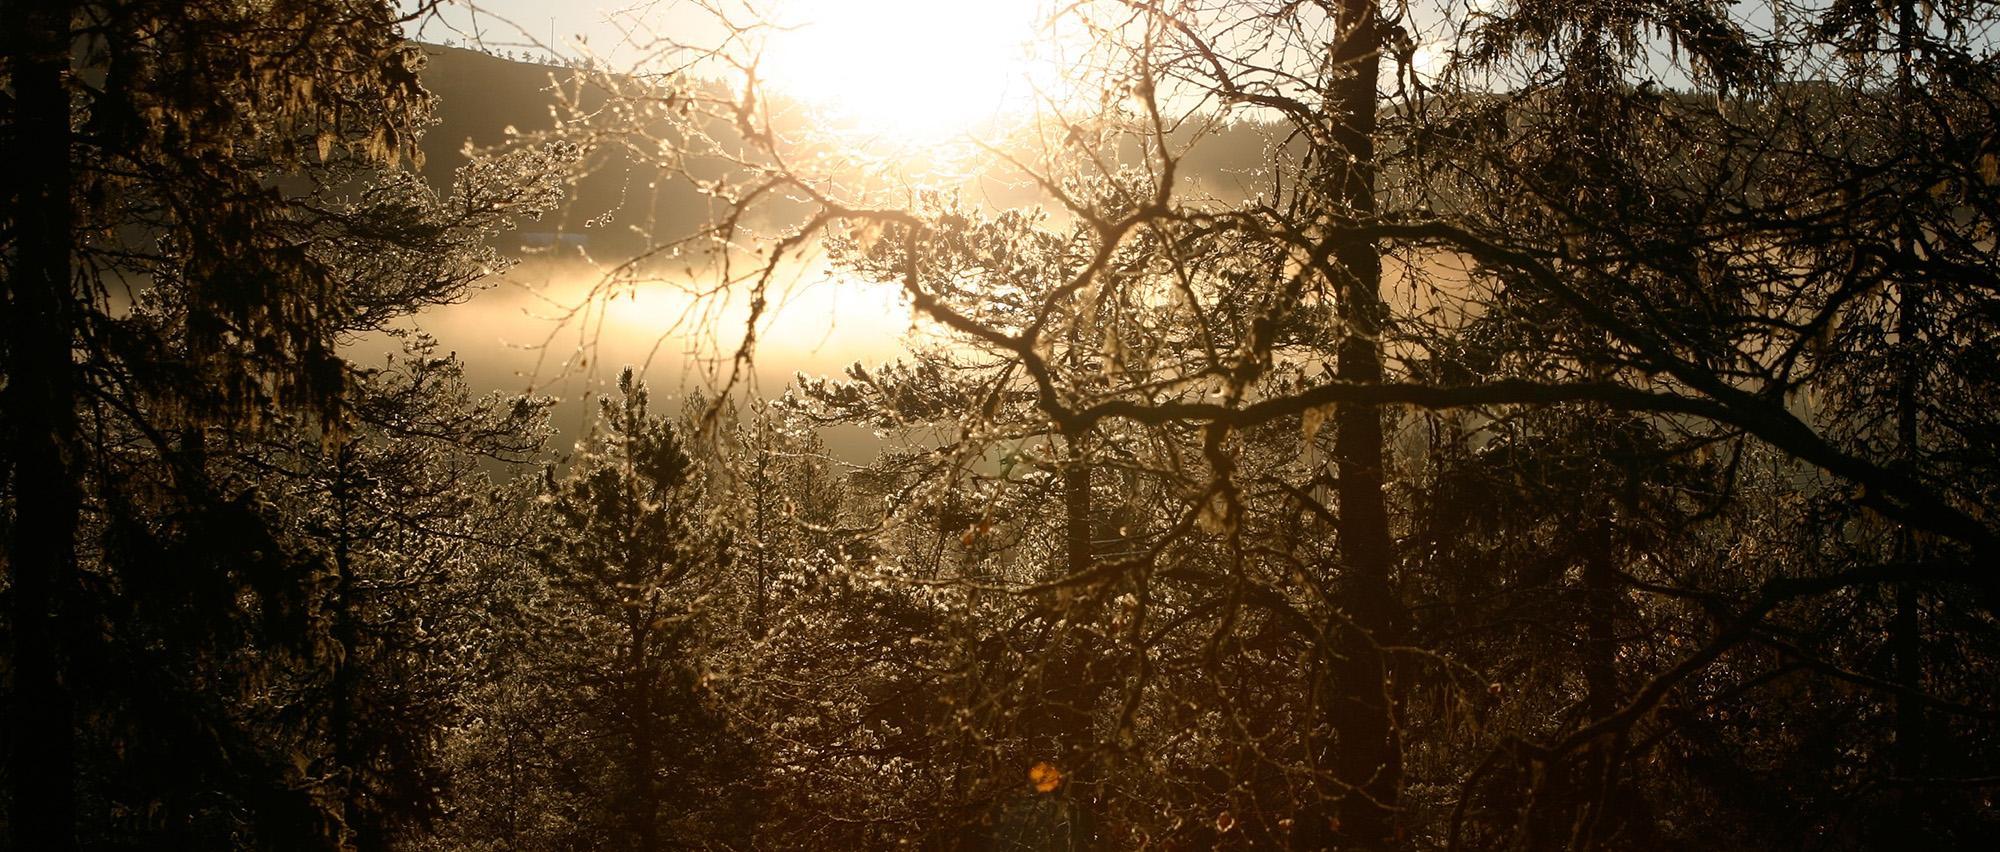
column 1498, row 424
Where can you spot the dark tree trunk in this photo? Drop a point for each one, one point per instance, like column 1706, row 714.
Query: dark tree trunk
column 1077, row 687
column 642, row 682
column 1362, row 753
column 347, row 751
column 1905, row 629
column 42, row 432
column 645, row 817
column 1596, row 806
column 1069, row 692
column 1076, row 511
column 761, row 495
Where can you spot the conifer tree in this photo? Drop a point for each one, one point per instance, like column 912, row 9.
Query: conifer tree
column 634, row 561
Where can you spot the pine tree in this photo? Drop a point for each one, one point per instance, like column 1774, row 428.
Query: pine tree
column 634, row 560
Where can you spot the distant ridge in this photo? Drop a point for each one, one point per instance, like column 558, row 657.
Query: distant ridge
column 481, row 95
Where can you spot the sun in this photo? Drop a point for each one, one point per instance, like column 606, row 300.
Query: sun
column 923, row 70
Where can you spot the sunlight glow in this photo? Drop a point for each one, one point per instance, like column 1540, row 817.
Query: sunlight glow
column 923, row 70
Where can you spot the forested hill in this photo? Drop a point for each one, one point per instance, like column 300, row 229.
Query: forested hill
column 481, row 95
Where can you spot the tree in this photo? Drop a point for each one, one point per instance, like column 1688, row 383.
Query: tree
column 1719, row 311
column 182, row 267
column 633, row 557
column 847, row 674
column 1693, row 248
column 407, row 521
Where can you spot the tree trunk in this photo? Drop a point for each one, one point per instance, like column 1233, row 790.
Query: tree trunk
column 1362, row 753
column 761, row 494
column 1061, row 720
column 645, row 814
column 42, row 438
column 1076, row 689
column 1596, row 806
column 1905, row 630
column 347, row 757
